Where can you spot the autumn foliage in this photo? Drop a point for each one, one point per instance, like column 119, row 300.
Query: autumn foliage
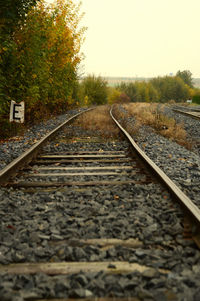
column 41, row 62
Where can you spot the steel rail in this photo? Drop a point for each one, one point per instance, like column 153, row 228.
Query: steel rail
column 190, row 114
column 12, row 168
column 192, row 210
column 187, row 109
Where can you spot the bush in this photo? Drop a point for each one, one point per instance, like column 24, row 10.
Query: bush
column 116, row 96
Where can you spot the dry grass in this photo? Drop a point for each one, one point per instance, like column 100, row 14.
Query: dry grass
column 99, row 120
column 152, row 115
column 122, row 117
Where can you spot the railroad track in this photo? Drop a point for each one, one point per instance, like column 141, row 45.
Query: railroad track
column 192, row 114
column 100, row 211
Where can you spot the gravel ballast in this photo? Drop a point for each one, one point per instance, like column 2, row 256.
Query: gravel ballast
column 45, row 226
column 15, row 146
column 180, row 164
column 191, row 126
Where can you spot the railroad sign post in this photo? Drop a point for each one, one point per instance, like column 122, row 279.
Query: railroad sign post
column 17, row 112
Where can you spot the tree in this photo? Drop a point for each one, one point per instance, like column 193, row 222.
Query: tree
column 13, row 12
column 95, row 88
column 116, row 96
column 113, row 95
column 186, row 76
column 196, row 95
column 140, row 91
column 48, row 53
column 42, row 64
column 12, row 16
column 130, row 90
column 171, row 88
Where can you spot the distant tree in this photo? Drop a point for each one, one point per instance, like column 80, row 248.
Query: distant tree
column 130, row 90
column 95, row 88
column 113, row 95
column 123, row 98
column 186, row 76
column 153, row 93
column 116, row 96
column 196, row 96
column 140, row 91
column 170, row 88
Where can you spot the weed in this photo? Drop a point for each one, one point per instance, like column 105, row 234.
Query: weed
column 152, row 115
column 99, row 120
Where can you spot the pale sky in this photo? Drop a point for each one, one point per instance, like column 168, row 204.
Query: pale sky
column 144, row 38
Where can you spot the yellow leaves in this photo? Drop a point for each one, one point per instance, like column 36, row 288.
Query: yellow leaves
column 2, row 50
column 70, row 100
column 86, row 100
column 114, row 95
column 48, row 54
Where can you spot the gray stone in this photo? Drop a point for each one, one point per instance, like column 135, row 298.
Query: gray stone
column 62, row 286
column 140, row 253
column 81, row 293
column 82, row 279
column 56, row 237
column 127, row 284
column 42, row 236
column 79, row 253
column 144, row 294
column 150, row 273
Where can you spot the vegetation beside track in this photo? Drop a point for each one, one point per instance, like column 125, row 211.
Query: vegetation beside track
column 99, row 120
column 153, row 115
column 144, row 114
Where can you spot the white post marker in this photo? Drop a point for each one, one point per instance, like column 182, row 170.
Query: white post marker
column 17, row 111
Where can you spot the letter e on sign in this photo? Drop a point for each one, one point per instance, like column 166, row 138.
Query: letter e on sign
column 17, row 111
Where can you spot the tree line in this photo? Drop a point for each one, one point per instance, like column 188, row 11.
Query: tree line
column 178, row 88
